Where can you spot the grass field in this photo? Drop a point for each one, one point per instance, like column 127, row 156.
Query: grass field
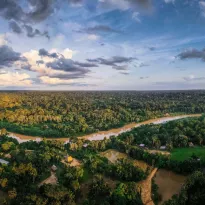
column 185, row 153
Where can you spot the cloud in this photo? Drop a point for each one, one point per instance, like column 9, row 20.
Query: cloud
column 112, row 61
column 45, row 53
column 8, row 56
column 152, row 48
column 191, row 54
column 193, row 78
column 140, row 65
column 31, row 32
column 15, row 79
column 69, row 65
column 93, row 37
column 39, row 11
column 40, row 62
column 53, row 81
column 123, row 67
column 78, row 2
column 135, row 16
column 15, row 27
column 42, row 9
column 37, row 63
column 101, row 28
column 126, row 4
column 144, row 77
column 124, row 73
column 202, row 7
column 169, row 1
column 3, row 40
column 9, row 9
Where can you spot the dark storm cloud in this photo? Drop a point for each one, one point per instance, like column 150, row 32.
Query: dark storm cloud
column 112, row 61
column 8, row 56
column 15, row 27
column 191, row 54
column 44, row 53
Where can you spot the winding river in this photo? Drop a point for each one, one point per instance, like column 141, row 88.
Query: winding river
column 104, row 134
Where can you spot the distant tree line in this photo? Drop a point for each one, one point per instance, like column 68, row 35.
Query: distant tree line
column 65, row 114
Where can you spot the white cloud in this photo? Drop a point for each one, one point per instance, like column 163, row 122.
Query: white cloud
column 193, row 78
column 33, row 56
column 135, row 16
column 54, row 81
column 15, row 79
column 85, row 37
column 3, row 40
column 93, row 37
column 202, row 7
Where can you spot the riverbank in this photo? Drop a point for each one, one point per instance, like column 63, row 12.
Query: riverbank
column 103, row 134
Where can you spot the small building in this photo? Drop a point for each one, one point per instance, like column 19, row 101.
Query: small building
column 85, row 145
column 142, row 145
column 162, row 147
column 2, row 161
column 54, row 168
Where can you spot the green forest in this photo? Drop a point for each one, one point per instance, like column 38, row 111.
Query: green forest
column 50, row 172
column 67, row 114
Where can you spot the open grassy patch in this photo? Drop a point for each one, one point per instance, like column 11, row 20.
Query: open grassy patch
column 181, row 154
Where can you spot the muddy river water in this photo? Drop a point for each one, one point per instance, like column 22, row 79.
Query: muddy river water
column 169, row 183
column 105, row 134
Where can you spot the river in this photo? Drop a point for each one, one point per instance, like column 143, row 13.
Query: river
column 104, row 134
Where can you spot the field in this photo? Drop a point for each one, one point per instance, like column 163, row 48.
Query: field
column 181, row 154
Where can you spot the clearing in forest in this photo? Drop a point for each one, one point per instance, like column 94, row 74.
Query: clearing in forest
column 50, row 180
column 182, row 154
column 113, row 155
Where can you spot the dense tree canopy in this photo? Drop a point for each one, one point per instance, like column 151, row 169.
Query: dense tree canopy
column 65, row 114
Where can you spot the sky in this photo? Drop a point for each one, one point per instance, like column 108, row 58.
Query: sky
column 102, row 44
